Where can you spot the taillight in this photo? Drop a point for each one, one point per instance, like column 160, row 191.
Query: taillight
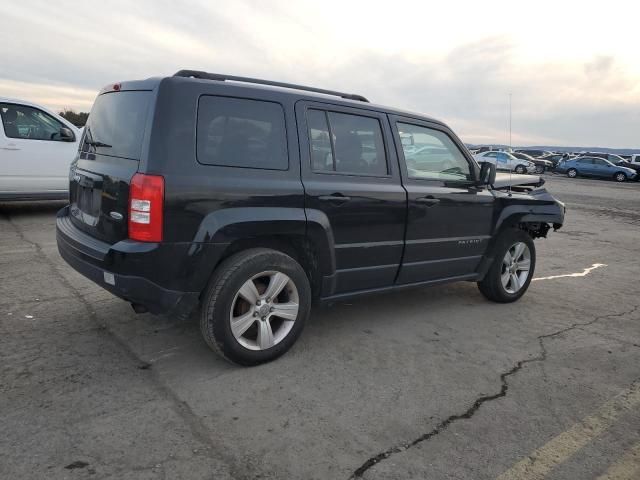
column 146, row 205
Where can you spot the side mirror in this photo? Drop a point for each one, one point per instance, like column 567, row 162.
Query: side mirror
column 66, row 135
column 487, row 174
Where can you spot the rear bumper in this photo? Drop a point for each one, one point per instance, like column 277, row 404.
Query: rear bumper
column 109, row 265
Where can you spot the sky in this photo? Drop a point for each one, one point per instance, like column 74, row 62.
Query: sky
column 572, row 69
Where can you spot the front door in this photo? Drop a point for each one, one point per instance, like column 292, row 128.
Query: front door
column 352, row 182
column 449, row 217
column 34, row 156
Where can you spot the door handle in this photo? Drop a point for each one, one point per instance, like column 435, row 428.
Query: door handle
column 335, row 198
column 10, row 147
column 428, row 201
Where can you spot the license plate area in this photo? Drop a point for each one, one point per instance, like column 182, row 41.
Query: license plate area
column 86, row 198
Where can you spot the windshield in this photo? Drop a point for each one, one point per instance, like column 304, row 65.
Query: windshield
column 116, row 124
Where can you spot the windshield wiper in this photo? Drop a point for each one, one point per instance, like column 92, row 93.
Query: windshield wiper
column 95, row 143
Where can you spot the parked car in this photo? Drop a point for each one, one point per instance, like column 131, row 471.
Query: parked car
column 36, row 150
column 506, row 161
column 595, row 167
column 556, row 158
column 251, row 199
column 542, row 164
column 534, row 153
column 612, row 157
column 635, row 158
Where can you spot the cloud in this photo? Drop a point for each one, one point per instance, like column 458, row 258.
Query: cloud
column 408, row 57
column 600, row 65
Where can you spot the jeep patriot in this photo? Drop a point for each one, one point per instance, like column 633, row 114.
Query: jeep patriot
column 249, row 200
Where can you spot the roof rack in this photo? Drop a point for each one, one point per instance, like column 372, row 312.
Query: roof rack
column 222, row 78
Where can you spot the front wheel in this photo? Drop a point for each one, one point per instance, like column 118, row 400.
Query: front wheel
column 539, row 169
column 510, row 273
column 620, row 177
column 255, row 306
column 572, row 173
column 520, row 169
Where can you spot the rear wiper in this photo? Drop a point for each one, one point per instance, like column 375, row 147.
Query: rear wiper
column 94, row 143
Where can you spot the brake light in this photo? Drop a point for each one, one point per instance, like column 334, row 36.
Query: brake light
column 146, row 205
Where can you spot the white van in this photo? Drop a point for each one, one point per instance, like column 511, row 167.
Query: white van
column 36, row 149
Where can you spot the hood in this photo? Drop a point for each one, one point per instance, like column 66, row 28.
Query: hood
column 511, row 180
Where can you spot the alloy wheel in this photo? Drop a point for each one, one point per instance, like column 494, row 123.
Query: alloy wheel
column 264, row 310
column 516, row 265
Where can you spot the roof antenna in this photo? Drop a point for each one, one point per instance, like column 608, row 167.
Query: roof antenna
column 510, row 148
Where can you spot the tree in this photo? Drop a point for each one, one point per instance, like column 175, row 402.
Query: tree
column 78, row 119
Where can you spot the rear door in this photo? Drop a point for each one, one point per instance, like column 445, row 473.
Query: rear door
column 110, row 152
column 34, row 158
column 351, row 180
column 449, row 218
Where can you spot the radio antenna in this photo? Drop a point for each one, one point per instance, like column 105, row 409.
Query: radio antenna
column 510, row 148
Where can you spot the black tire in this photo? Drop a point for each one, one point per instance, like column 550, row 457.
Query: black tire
column 491, row 285
column 520, row 169
column 620, row 177
column 539, row 169
column 218, row 299
column 572, row 173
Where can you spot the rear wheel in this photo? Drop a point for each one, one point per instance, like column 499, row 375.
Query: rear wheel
column 572, row 173
column 510, row 273
column 539, row 169
column 255, row 306
column 620, row 177
column 520, row 169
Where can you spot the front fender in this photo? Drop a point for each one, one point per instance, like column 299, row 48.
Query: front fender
column 535, row 206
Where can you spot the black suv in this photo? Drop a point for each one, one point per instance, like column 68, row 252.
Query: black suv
column 251, row 199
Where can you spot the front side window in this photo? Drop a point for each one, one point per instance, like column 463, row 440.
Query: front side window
column 238, row 132
column 346, row 143
column 436, row 157
column 29, row 123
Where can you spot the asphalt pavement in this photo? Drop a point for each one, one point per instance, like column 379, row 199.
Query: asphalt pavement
column 432, row 383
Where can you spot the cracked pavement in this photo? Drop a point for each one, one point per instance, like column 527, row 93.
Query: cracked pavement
column 430, row 383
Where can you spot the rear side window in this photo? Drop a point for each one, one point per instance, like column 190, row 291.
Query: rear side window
column 346, row 143
column 237, row 132
column 117, row 123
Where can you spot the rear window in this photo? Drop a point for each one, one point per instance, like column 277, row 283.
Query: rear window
column 237, row 132
column 116, row 124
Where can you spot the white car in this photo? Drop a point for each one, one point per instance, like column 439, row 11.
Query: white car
column 506, row 161
column 36, row 149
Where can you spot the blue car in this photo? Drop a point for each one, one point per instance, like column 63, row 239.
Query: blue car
column 595, row 167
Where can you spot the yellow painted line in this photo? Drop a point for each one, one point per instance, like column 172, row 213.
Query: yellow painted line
column 539, row 463
column 583, row 273
column 627, row 468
